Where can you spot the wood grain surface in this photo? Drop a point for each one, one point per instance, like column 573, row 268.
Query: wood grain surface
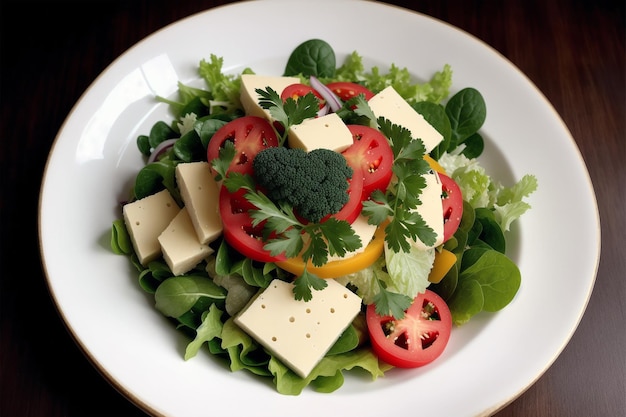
column 51, row 51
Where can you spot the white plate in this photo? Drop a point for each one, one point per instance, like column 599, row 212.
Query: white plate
column 488, row 362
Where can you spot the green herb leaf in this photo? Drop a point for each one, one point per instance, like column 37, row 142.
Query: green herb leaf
column 290, row 112
column 222, row 162
column 377, row 208
column 304, row 283
column 391, row 303
column 403, row 194
column 340, row 237
column 313, row 57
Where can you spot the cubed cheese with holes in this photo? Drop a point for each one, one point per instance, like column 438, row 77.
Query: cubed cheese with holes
column 145, row 219
column 250, row 98
column 200, row 193
column 328, row 132
column 180, row 245
column 431, row 208
column 365, row 231
column 299, row 333
column 390, row 105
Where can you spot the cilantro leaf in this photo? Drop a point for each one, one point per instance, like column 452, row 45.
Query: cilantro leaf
column 416, row 228
column 402, row 197
column 304, row 283
column 408, row 190
column 377, row 208
column 237, row 180
column 396, row 236
column 289, row 112
column 316, row 249
column 361, row 108
column 289, row 244
column 222, row 162
column 340, row 236
column 391, row 303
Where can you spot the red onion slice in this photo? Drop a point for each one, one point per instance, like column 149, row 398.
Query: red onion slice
column 331, row 98
column 324, row 110
column 161, row 148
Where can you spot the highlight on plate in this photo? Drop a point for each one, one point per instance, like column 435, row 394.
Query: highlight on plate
column 299, row 225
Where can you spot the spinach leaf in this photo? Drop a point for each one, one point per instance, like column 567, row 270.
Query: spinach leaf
column 207, row 128
column 155, row 177
column 143, row 144
column 159, row 132
column 447, row 286
column 347, row 341
column 474, row 146
column 313, row 57
column 149, row 281
column 467, row 113
column 467, row 301
column 120, row 239
column 189, row 148
column 177, row 295
column 488, row 282
column 436, row 116
column 195, row 106
column 498, row 276
column 491, row 232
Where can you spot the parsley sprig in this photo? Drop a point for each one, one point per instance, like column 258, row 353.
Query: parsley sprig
column 398, row 204
column 389, row 302
column 289, row 112
column 284, row 233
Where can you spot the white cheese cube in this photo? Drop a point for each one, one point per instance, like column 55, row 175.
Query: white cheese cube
column 328, row 132
column 145, row 220
column 200, row 193
column 250, row 98
column 365, row 231
column 431, row 209
column 390, row 105
column 179, row 243
column 299, row 333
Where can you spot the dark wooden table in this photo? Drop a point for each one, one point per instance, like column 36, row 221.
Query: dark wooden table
column 53, row 50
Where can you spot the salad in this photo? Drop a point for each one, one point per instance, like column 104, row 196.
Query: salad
column 330, row 218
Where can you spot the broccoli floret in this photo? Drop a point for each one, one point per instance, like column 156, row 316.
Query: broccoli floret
column 314, row 183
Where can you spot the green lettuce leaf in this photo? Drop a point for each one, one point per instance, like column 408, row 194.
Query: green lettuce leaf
column 327, row 375
column 481, row 191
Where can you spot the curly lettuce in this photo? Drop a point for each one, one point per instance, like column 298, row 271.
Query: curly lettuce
column 481, row 191
column 435, row 90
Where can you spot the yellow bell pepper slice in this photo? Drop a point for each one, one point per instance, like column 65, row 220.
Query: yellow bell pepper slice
column 335, row 269
column 444, row 260
column 434, row 164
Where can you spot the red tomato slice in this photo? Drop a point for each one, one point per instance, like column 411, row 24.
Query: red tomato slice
column 238, row 229
column 415, row 340
column 297, row 90
column 250, row 135
column 346, row 90
column 452, row 202
column 370, row 154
